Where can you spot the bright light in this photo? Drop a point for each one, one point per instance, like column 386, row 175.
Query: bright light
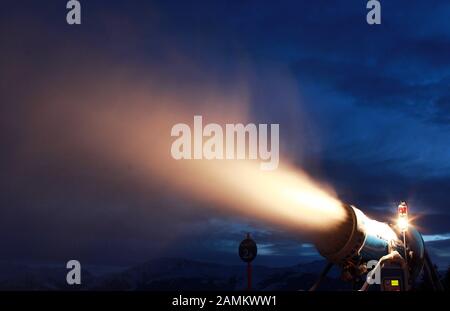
column 402, row 224
column 379, row 229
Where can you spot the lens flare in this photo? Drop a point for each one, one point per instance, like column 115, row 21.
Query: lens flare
column 402, row 224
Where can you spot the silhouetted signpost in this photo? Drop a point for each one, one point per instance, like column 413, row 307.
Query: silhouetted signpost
column 247, row 252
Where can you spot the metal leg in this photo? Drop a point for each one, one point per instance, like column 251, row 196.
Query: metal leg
column 432, row 274
column 322, row 275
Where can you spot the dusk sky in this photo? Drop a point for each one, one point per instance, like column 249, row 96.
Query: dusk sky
column 364, row 109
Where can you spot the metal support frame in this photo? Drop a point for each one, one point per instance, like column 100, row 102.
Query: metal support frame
column 322, row 276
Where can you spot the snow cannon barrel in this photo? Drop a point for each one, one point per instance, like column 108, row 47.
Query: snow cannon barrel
column 357, row 237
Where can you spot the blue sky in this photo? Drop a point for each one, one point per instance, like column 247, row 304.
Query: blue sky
column 372, row 113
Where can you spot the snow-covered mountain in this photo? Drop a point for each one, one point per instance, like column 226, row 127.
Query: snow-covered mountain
column 172, row 274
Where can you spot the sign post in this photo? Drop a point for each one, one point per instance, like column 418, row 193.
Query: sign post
column 247, row 252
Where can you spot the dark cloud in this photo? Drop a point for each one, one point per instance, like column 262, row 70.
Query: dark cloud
column 375, row 86
column 442, row 113
column 374, row 185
